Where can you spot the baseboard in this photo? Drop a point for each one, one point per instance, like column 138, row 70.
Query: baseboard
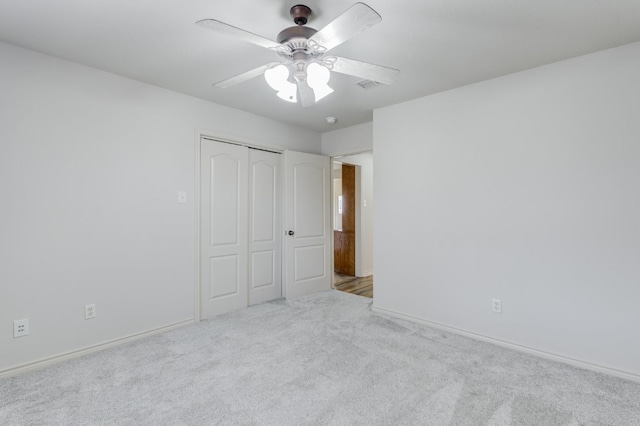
column 45, row 362
column 506, row 344
column 366, row 274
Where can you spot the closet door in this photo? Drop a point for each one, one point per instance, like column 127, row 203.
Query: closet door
column 265, row 213
column 223, row 227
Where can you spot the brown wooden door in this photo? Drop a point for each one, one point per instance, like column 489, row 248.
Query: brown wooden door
column 345, row 240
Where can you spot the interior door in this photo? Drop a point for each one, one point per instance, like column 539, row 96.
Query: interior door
column 223, row 227
column 265, row 212
column 344, row 239
column 307, row 224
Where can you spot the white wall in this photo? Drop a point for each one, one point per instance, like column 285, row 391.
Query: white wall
column 349, row 140
column 524, row 188
column 364, row 243
column 90, row 167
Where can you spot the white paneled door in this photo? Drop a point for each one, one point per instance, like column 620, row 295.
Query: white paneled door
column 307, row 223
column 241, row 218
column 265, row 212
column 223, row 227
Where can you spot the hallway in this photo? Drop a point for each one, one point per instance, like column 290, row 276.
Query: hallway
column 361, row 286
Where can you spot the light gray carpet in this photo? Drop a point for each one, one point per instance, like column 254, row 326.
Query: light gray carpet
column 324, row 359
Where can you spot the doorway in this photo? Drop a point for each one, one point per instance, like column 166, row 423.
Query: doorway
column 352, row 208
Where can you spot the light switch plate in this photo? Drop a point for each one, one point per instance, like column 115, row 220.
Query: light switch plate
column 182, row 196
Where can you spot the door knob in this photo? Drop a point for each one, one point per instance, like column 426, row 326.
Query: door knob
column 290, row 233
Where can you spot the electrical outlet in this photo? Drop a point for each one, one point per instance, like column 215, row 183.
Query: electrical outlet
column 21, row 327
column 496, row 305
column 89, row 311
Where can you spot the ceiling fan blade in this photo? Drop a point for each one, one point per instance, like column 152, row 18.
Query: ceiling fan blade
column 222, row 28
column 365, row 70
column 244, row 76
column 356, row 19
column 307, row 98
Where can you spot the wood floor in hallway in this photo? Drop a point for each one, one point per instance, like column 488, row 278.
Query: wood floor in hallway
column 355, row 285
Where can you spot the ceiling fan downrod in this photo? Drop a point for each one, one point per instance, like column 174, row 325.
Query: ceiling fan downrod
column 300, row 13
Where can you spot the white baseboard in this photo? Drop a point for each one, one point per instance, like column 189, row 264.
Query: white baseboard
column 542, row 354
column 45, row 362
column 366, row 274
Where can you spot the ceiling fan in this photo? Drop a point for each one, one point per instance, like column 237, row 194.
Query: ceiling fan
column 304, row 68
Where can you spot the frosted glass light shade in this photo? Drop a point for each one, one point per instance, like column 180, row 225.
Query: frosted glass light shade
column 288, row 92
column 278, row 78
column 317, row 78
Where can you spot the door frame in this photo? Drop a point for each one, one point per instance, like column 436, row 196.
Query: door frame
column 233, row 140
column 338, row 158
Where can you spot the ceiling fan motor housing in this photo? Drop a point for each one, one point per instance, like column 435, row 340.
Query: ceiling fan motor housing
column 296, row 39
column 288, row 34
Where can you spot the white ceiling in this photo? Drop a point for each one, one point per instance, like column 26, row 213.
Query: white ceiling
column 437, row 44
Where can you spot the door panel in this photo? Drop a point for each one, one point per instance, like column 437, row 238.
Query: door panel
column 266, row 226
column 344, row 252
column 309, row 262
column 344, row 242
column 309, row 192
column 307, row 213
column 224, row 275
column 225, row 210
column 223, row 240
column 348, row 198
column 262, row 268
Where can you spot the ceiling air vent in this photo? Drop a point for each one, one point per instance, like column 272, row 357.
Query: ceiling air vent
column 368, row 84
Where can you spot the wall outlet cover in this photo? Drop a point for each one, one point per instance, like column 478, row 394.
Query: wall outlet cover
column 21, row 327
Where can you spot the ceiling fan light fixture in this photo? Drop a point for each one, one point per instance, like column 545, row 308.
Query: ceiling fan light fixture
column 317, row 78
